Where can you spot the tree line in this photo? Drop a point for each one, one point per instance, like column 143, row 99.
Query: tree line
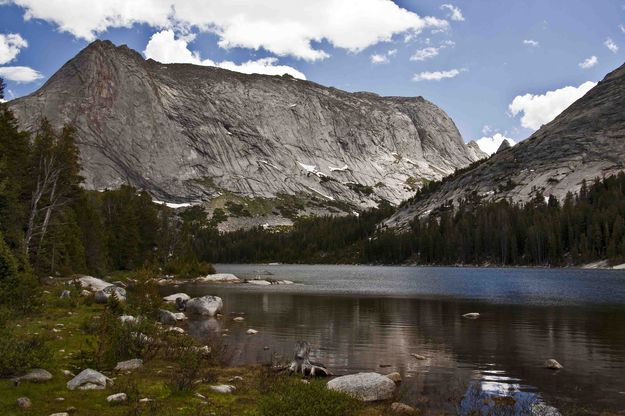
column 50, row 225
column 584, row 227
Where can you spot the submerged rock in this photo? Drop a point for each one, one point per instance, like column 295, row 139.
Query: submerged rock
column 368, row 387
column 89, row 380
column 471, row 315
column 552, row 364
column 206, row 305
column 403, row 409
column 395, row 377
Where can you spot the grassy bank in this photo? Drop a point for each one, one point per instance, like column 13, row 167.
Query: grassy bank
column 78, row 333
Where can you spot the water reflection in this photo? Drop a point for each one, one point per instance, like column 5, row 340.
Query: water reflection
column 467, row 362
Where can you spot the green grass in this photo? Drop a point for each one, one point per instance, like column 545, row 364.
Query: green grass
column 72, row 347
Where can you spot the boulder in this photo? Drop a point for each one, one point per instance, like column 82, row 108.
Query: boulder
column 180, row 316
column 93, row 283
column 403, row 409
column 395, row 377
column 117, row 398
column 218, row 278
column 129, row 365
column 553, row 364
column 85, row 293
column 37, row 375
column 368, row 387
column 65, row 294
column 251, row 332
column 223, row 388
column 206, row 305
column 259, row 282
column 419, row 356
column 166, row 317
column 471, row 315
column 541, row 409
column 23, row 403
column 102, row 296
column 172, row 298
column 128, row 319
column 89, row 380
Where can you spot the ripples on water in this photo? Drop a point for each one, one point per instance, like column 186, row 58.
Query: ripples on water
column 373, row 319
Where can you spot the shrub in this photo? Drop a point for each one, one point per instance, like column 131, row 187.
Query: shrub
column 293, row 398
column 189, row 267
column 189, row 360
column 117, row 341
column 19, row 353
column 144, row 298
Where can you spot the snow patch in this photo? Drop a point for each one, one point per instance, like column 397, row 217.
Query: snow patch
column 269, row 164
column 320, row 193
column 175, row 205
column 343, row 169
column 312, row 169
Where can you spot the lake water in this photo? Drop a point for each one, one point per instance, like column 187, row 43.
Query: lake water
column 363, row 318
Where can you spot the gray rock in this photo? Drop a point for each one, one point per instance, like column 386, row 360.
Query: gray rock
column 552, row 364
column 129, row 365
column 395, row 377
column 403, row 409
column 102, row 296
column 471, row 315
column 59, row 414
column 92, row 283
column 128, row 319
column 206, row 305
column 172, row 298
column 186, row 133
column 23, row 403
column 65, row 294
column 581, row 143
column 37, row 375
column 166, row 317
column 368, row 387
column 223, row 388
column 89, row 380
column 541, row 409
column 117, row 398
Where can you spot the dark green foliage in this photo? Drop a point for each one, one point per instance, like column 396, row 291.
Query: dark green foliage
column 19, row 353
column 294, row 398
column 583, row 228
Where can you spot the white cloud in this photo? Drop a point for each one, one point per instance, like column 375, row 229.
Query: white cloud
column 531, row 42
column 283, row 27
column 19, row 74
column 487, row 129
column 589, row 62
column 425, row 53
column 609, row 43
column 10, row 46
column 622, row 28
column 436, row 75
column 454, row 12
column 165, row 47
column 541, row 109
column 383, row 58
column 491, row 144
column 379, row 59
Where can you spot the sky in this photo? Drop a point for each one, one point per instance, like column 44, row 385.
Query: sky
column 500, row 69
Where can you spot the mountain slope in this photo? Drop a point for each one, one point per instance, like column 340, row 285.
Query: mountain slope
column 191, row 133
column 585, row 141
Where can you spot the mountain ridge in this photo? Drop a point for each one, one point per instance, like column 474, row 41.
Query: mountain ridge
column 189, row 133
column 587, row 140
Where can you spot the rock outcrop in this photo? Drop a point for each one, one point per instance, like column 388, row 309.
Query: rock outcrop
column 190, row 134
column 586, row 141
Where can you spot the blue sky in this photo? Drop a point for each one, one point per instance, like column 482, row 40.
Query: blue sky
column 473, row 58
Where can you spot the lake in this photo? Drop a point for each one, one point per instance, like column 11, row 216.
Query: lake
column 365, row 318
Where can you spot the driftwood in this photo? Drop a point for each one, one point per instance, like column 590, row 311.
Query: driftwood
column 301, row 362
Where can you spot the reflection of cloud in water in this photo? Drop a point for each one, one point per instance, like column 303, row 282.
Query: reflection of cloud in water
column 492, row 392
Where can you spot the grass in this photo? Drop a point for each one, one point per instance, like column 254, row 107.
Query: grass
column 261, row 392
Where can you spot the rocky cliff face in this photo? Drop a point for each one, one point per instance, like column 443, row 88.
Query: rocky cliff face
column 190, row 133
column 586, row 141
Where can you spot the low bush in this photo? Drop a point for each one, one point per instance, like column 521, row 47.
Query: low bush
column 294, row 398
column 19, row 353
